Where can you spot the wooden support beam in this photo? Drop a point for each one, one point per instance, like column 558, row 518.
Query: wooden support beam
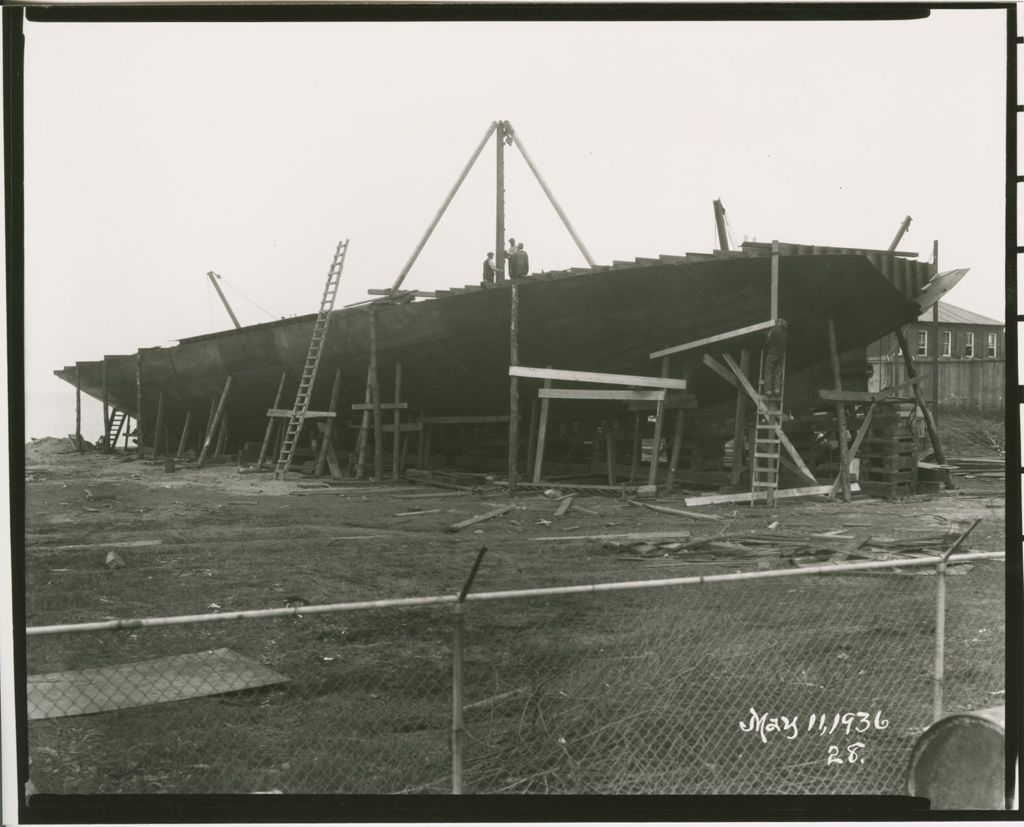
column 496, row 512
column 542, row 432
column 184, row 435
column 209, row 417
column 906, row 384
column 844, row 463
column 214, row 423
column 499, row 206
column 677, row 444
column 378, row 442
column 711, row 362
column 106, row 409
column 384, row 406
column 327, row 429
column 531, row 442
column 417, row 294
column 405, row 428
column 929, row 421
column 327, row 455
column 222, row 436
column 659, row 420
column 464, row 420
column 597, row 378
column 828, row 395
column 673, row 402
column 513, row 421
column 747, row 496
column 602, row 395
column 364, row 429
column 710, row 340
column 634, row 467
column 138, row 402
column 855, row 447
column 78, row 409
column 739, row 427
column 270, row 424
column 775, row 282
column 609, row 454
column 159, row 423
column 396, row 445
column 284, row 413
column 783, row 439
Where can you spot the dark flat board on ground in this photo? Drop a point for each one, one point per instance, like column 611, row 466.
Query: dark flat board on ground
column 175, row 678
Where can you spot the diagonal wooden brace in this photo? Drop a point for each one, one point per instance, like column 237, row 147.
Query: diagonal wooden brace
column 852, row 452
column 783, row 439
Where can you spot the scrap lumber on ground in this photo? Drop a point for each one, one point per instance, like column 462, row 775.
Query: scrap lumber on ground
column 747, row 496
column 496, row 512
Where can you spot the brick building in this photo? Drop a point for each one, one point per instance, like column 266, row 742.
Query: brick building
column 971, row 351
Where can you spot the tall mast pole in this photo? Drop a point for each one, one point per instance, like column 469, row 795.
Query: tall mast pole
column 723, row 239
column 899, row 234
column 213, row 280
column 499, row 203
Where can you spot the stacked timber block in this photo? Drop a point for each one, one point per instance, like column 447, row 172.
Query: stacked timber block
column 888, row 454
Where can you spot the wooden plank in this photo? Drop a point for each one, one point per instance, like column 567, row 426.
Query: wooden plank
column 425, row 294
column 747, row 496
column 844, row 461
column 462, row 420
column 720, row 369
column 761, row 408
column 406, row 428
column 636, row 535
column 659, row 422
column 384, row 406
column 597, row 378
column 161, row 680
column 564, row 505
column 542, row 431
column 856, row 445
column 602, row 395
column 710, row 340
column 496, row 512
column 906, row 384
column 676, row 512
column 284, row 413
column 326, row 454
column 396, row 457
column 829, row 395
column 739, row 424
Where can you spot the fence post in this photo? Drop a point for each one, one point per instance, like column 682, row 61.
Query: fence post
column 458, row 730
column 939, row 674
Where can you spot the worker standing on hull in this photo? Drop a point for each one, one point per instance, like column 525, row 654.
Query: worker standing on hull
column 775, row 358
column 520, row 266
column 488, row 274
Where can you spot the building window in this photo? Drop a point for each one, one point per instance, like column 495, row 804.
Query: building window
column 969, row 347
column 947, row 343
column 922, row 343
column 991, row 349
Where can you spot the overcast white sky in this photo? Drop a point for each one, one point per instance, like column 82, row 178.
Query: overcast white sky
column 157, row 152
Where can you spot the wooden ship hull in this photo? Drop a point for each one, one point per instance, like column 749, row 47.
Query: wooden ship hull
column 455, row 348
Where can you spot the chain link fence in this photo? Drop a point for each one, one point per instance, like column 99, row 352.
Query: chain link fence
column 801, row 684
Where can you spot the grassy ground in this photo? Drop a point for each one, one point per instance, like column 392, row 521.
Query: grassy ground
column 635, row 692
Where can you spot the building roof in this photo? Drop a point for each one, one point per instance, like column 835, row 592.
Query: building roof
column 951, row 314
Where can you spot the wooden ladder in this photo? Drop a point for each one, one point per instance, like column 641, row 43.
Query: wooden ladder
column 316, row 347
column 117, row 418
column 764, row 467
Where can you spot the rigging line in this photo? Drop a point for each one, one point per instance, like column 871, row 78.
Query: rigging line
column 240, row 293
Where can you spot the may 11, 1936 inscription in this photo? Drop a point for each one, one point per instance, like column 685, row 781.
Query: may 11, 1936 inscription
column 839, row 723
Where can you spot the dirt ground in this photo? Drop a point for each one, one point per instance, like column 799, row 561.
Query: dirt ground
column 217, row 539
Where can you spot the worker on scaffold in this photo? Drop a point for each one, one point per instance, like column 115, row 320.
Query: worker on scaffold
column 520, row 266
column 488, row 274
column 775, row 358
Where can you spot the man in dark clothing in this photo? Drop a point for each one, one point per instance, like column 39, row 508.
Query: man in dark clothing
column 775, row 358
column 488, row 274
column 520, row 263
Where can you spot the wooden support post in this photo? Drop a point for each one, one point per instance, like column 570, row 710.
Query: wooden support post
column 542, row 431
column 929, row 421
column 861, row 432
column 159, row 424
column 378, row 433
column 405, row 450
column 184, row 435
column 364, row 427
column 107, row 447
column 775, row 281
column 427, row 434
column 513, row 423
column 659, row 419
column 281, row 425
column 935, row 344
column 739, row 428
column 78, row 409
column 634, row 467
column 138, row 404
column 844, row 462
column 209, row 418
column 127, row 429
column 395, row 459
column 609, row 453
column 213, row 425
column 677, row 444
column 222, row 436
column 328, row 430
column 531, row 440
column 270, row 423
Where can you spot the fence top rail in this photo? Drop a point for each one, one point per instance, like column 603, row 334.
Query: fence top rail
column 440, row 600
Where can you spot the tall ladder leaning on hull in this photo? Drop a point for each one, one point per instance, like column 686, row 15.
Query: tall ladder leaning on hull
column 316, row 347
column 764, row 468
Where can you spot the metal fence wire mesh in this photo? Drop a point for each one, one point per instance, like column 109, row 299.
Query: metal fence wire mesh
column 784, row 685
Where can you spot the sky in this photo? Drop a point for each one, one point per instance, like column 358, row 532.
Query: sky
column 158, row 152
